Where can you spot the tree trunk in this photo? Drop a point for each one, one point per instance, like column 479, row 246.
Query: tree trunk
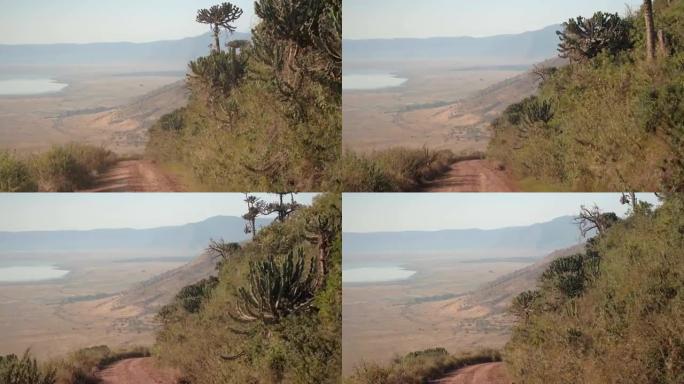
column 650, row 31
column 322, row 261
column 662, row 44
column 217, row 43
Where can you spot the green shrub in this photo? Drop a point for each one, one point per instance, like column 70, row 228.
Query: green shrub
column 392, row 170
column 612, row 314
column 269, row 116
column 216, row 345
column 80, row 366
column 173, row 121
column 24, row 370
column 419, row 367
column 15, row 176
column 583, row 39
column 69, row 168
column 610, row 121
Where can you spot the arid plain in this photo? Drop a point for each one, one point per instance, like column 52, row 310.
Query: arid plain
column 104, row 108
column 80, row 310
column 442, row 105
column 430, row 309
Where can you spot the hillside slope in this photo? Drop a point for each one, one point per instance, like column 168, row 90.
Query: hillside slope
column 498, row 294
column 151, row 295
column 609, row 121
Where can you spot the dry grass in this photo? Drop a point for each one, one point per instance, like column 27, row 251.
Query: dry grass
column 392, row 170
column 420, row 367
column 66, row 168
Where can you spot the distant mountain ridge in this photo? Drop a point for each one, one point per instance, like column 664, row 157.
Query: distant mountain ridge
column 192, row 237
column 167, row 54
column 523, row 48
column 541, row 238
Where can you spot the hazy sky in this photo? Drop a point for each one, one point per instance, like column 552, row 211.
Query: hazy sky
column 429, row 18
column 50, row 211
column 436, row 211
column 84, row 21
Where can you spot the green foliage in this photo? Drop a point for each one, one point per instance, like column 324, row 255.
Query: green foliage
column 265, row 116
column 24, row 370
column 173, row 121
column 79, row 367
column 64, row 168
column 192, row 296
column 276, row 289
column 315, row 28
column 15, row 175
column 217, row 344
column 583, row 39
column 523, row 304
column 419, row 367
column 213, row 77
column 219, row 16
column 70, row 167
column 612, row 314
column 609, row 122
column 392, row 170
column 535, row 110
column 567, row 275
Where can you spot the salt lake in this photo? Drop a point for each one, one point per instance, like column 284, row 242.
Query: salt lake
column 376, row 274
column 26, row 86
column 362, row 82
column 29, row 273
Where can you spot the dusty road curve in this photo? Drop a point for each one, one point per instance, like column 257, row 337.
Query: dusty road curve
column 135, row 176
column 490, row 373
column 471, row 176
column 136, row 371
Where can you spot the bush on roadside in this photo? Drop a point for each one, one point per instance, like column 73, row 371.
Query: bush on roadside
column 392, row 170
column 15, row 176
column 419, row 367
column 610, row 121
column 80, row 366
column 612, row 314
column 24, row 370
column 268, row 316
column 69, row 168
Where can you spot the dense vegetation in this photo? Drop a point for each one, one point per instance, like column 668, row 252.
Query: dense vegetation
column 64, row 168
column 77, row 368
column 613, row 119
column 24, row 370
column 419, row 367
column 273, row 314
column 393, row 170
column 612, row 314
column 265, row 114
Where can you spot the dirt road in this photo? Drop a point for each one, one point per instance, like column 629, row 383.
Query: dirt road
column 471, row 176
column 490, row 373
column 136, row 371
column 135, row 176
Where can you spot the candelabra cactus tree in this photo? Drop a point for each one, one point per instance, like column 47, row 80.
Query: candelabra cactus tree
column 276, row 289
column 220, row 16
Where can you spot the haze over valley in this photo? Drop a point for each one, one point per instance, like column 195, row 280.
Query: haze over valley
column 64, row 290
column 436, row 92
column 448, row 299
column 442, row 270
column 104, row 94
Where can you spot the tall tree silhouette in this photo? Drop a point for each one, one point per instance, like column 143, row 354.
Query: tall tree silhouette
column 650, row 31
column 219, row 16
column 584, row 38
